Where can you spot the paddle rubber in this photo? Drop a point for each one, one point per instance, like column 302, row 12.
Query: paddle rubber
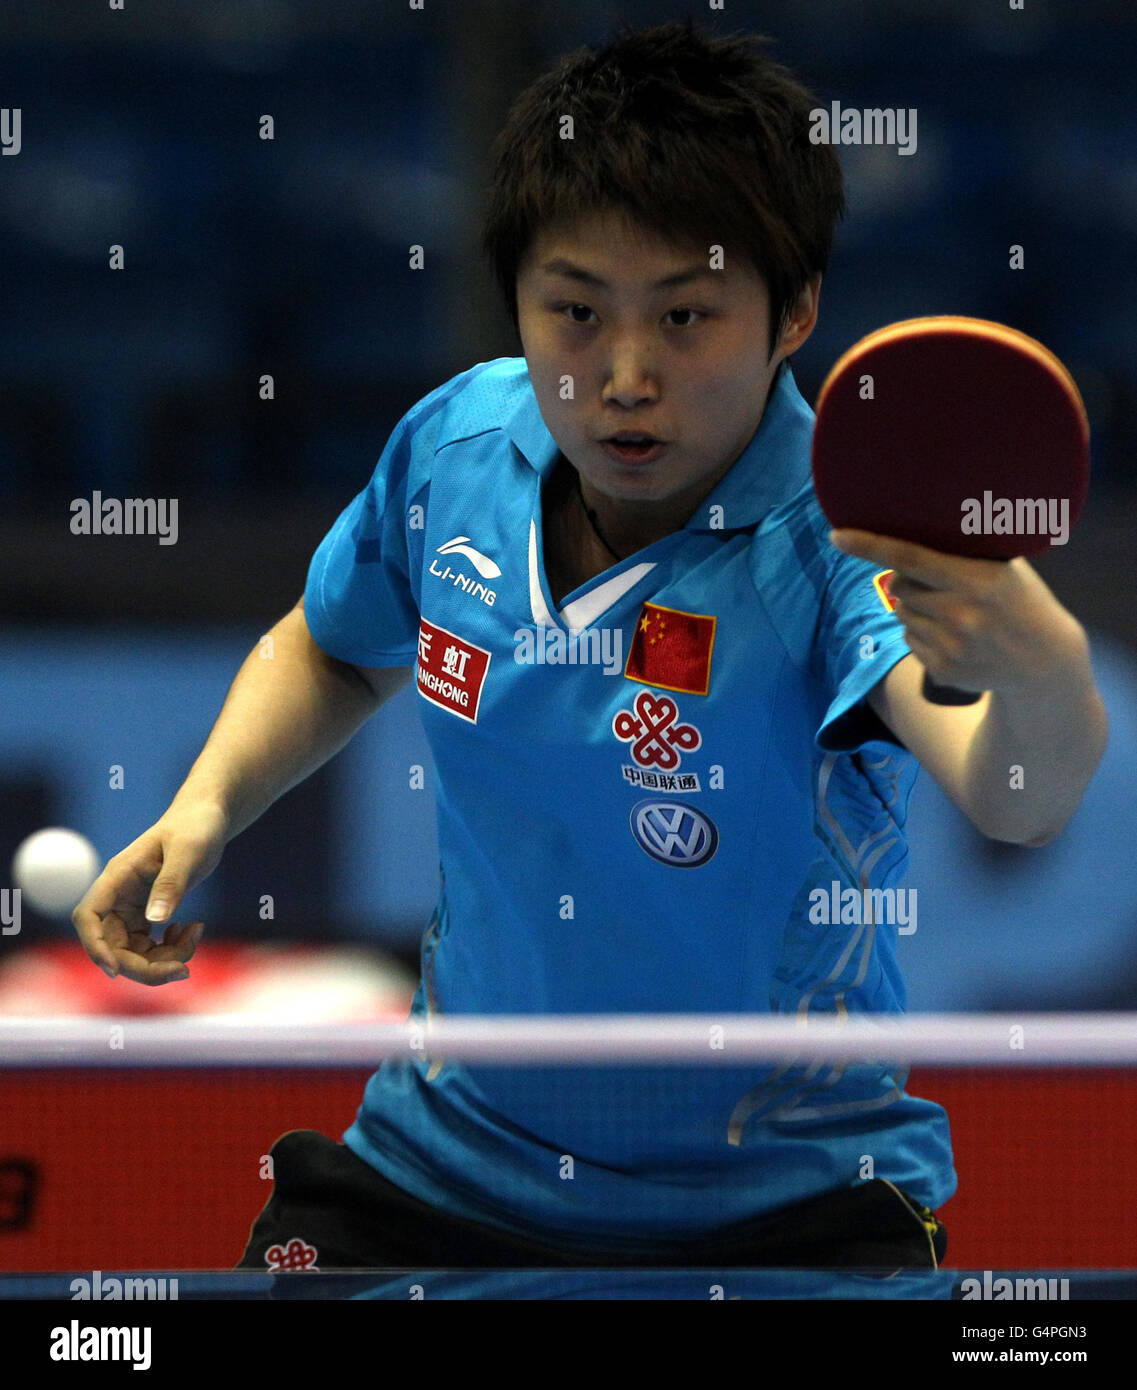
column 929, row 414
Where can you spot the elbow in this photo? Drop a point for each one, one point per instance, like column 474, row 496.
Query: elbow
column 1040, row 840
column 1024, row 839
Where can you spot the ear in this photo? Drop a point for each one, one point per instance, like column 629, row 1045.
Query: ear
column 801, row 319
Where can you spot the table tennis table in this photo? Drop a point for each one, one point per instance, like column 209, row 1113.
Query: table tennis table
column 1034, row 1287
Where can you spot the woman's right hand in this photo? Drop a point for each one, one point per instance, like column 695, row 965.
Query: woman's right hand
column 160, row 867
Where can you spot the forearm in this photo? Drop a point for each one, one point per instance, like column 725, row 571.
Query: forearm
column 1032, row 756
column 290, row 708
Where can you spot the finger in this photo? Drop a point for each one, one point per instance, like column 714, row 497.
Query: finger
column 147, row 963
column 117, row 893
column 100, row 929
column 170, row 886
column 178, row 943
column 944, row 606
column 144, row 971
column 921, row 628
column 940, row 664
column 931, row 567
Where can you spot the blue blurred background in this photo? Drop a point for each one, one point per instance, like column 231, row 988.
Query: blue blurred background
column 289, row 257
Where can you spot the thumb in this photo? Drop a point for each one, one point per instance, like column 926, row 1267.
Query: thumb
column 172, row 883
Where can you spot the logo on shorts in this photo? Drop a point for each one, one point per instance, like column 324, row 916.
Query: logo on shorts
column 450, row 671
column 651, row 726
column 295, row 1256
column 674, row 833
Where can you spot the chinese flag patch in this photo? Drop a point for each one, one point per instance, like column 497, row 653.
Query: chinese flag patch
column 672, row 650
column 882, row 583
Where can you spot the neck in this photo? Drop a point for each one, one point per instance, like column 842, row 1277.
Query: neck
column 622, row 528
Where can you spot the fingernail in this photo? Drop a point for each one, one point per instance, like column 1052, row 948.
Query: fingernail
column 156, row 912
column 107, row 971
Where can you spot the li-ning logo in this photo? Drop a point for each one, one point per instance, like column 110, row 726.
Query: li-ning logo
column 482, row 563
column 295, row 1256
column 674, row 833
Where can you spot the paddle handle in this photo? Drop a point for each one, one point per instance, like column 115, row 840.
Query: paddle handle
column 948, row 694
column 938, row 694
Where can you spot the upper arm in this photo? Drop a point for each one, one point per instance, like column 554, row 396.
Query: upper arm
column 938, row 736
column 384, row 681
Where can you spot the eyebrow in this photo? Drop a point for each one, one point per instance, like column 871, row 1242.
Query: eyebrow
column 569, row 271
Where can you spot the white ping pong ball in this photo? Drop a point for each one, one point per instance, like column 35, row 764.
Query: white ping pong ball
column 54, row 868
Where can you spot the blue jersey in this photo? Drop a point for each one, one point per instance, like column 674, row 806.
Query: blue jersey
column 666, row 795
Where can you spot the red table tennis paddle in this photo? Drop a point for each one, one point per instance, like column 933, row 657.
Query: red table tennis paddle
column 959, row 434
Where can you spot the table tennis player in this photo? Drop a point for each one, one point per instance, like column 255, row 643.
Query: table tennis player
column 647, row 835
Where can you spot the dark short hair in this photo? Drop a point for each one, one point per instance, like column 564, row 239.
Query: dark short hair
column 702, row 140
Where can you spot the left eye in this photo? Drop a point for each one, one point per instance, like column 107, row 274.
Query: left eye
column 571, row 311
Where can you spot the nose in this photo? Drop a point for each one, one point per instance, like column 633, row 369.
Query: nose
column 631, row 380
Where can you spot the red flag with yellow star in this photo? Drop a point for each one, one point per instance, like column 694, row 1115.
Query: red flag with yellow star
column 672, row 650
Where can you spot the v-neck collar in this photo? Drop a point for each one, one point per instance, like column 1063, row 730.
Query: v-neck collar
column 772, row 468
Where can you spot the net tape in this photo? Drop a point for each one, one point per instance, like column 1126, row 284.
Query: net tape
column 992, row 1040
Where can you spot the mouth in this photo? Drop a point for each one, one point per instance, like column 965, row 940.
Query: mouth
column 631, row 447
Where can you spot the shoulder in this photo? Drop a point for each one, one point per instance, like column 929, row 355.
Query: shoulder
column 482, row 401
column 810, row 591
column 790, row 550
column 484, row 398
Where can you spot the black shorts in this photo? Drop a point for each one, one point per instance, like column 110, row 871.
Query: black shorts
column 331, row 1210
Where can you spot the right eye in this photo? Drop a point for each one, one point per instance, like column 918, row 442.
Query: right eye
column 571, row 308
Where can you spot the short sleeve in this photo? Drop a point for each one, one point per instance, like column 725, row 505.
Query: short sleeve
column 859, row 640
column 359, row 601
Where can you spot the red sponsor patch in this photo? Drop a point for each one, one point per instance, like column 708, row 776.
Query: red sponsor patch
column 882, row 583
column 672, row 649
column 295, row 1256
column 450, row 670
column 652, row 728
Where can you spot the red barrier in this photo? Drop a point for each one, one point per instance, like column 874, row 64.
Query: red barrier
column 163, row 1169
column 1047, row 1165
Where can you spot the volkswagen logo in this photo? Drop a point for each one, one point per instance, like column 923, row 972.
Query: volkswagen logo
column 674, row 833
